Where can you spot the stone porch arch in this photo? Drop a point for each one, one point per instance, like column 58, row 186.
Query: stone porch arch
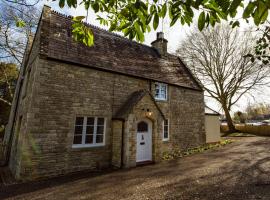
column 141, row 104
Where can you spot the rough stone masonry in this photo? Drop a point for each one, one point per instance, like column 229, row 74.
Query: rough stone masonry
column 113, row 80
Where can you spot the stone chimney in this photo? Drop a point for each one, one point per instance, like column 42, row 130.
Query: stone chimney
column 160, row 43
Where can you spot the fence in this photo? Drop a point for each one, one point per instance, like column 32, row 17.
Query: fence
column 262, row 130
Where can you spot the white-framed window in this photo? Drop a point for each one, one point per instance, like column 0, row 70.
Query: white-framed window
column 161, row 91
column 89, row 132
column 166, row 130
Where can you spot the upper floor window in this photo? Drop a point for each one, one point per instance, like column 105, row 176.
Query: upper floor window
column 161, row 91
column 165, row 130
column 89, row 131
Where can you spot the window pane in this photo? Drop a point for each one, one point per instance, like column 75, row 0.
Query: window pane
column 90, row 120
column 100, row 130
column 89, row 139
column 163, row 88
column 79, row 120
column 165, row 134
column 166, row 129
column 100, row 121
column 157, row 90
column 89, row 130
column 161, row 91
column 77, row 139
column 99, row 139
column 165, row 122
column 78, row 130
column 142, row 127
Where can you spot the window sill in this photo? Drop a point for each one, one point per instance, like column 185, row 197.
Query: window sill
column 81, row 146
column 160, row 99
column 165, row 140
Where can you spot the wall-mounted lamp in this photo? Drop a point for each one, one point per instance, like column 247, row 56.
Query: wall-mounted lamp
column 148, row 113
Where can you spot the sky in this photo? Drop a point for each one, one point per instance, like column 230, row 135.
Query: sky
column 174, row 35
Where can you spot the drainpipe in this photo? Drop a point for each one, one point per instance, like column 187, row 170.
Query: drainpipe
column 122, row 144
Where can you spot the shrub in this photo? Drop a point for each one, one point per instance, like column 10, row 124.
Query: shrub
column 177, row 153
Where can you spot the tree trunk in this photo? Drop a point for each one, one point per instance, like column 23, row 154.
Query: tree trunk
column 229, row 121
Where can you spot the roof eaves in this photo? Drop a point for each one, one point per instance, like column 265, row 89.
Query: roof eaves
column 117, row 72
column 191, row 75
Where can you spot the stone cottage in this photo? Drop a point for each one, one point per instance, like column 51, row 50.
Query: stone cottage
column 116, row 104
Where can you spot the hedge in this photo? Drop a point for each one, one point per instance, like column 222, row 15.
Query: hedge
column 262, row 130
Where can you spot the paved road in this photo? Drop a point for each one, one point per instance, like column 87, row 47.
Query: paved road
column 240, row 170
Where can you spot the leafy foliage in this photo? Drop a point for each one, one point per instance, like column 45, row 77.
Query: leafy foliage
column 20, row 23
column 136, row 17
column 8, row 77
column 262, row 49
column 17, row 25
column 82, row 33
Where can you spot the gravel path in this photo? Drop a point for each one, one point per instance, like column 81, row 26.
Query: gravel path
column 240, row 170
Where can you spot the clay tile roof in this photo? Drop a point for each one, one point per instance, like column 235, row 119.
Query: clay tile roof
column 111, row 52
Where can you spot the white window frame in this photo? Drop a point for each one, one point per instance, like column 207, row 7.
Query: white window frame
column 94, row 144
column 160, row 85
column 166, row 139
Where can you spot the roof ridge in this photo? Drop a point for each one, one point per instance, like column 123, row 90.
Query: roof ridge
column 102, row 29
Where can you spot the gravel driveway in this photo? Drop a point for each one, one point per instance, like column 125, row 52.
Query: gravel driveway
column 240, row 170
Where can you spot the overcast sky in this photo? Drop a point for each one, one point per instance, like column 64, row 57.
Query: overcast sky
column 174, row 35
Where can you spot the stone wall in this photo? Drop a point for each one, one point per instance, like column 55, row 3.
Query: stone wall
column 59, row 92
column 117, row 128
column 138, row 114
column 16, row 128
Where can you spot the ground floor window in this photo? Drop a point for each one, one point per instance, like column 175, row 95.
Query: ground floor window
column 89, row 131
column 166, row 130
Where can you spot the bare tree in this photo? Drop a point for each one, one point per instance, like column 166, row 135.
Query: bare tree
column 13, row 39
column 217, row 58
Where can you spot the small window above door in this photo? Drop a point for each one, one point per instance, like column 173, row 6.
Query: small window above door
column 161, row 91
column 142, row 127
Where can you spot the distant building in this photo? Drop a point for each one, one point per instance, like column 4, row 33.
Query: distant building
column 212, row 125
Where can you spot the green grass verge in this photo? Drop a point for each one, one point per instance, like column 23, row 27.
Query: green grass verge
column 179, row 153
column 240, row 135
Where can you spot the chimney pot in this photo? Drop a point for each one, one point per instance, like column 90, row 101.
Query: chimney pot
column 160, row 44
column 160, row 35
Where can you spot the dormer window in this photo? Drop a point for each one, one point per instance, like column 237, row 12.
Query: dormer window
column 161, row 91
